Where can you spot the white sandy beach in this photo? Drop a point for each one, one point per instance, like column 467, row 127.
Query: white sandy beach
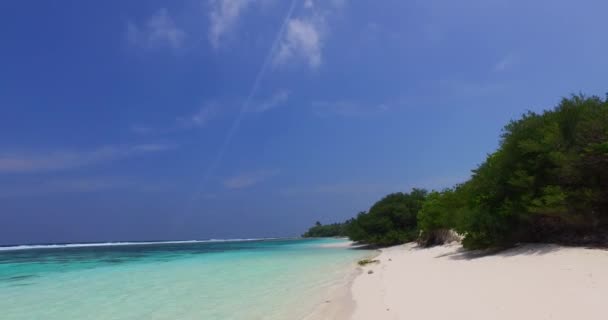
column 529, row 282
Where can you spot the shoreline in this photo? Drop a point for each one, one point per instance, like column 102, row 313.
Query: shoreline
column 531, row 281
column 339, row 303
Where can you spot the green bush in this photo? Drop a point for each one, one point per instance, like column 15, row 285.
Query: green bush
column 439, row 215
column 392, row 220
column 324, row 231
column 548, row 181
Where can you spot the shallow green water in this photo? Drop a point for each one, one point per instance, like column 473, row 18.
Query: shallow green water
column 271, row 279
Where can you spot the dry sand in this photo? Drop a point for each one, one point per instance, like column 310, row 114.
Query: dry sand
column 528, row 282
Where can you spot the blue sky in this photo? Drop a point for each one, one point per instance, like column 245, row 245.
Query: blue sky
column 216, row 119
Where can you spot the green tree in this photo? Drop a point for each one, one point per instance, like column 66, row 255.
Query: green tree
column 547, row 180
column 440, row 214
column 330, row 230
column 390, row 221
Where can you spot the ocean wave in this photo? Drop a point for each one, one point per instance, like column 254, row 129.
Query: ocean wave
column 125, row 243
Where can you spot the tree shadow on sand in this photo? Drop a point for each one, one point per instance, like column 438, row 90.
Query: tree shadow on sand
column 363, row 247
column 523, row 249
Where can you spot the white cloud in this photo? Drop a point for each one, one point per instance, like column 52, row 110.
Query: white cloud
column 337, row 4
column 302, row 40
column 199, row 119
column 249, row 179
column 223, row 17
column 306, row 34
column 347, row 109
column 276, row 100
column 68, row 159
column 158, row 31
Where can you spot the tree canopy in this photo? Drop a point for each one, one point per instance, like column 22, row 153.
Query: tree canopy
column 548, row 181
column 548, row 178
column 330, row 230
column 389, row 221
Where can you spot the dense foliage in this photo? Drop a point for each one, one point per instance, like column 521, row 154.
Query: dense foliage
column 548, row 181
column 391, row 220
column 439, row 214
column 329, row 230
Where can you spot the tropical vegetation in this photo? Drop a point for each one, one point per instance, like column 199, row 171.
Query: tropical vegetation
column 547, row 181
column 324, row 231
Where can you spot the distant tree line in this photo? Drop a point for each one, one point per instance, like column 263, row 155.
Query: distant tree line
column 547, row 182
column 323, row 231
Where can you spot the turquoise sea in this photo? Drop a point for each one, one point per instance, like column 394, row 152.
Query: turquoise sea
column 256, row 279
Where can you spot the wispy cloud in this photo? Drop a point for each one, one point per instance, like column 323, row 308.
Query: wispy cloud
column 200, row 118
column 249, row 179
column 55, row 185
column 24, row 162
column 141, row 129
column 303, row 40
column 223, row 17
column 505, row 63
column 305, row 36
column 278, row 99
column 158, row 31
column 73, row 185
column 338, row 3
column 347, row 108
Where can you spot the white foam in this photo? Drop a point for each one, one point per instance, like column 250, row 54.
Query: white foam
column 111, row 244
